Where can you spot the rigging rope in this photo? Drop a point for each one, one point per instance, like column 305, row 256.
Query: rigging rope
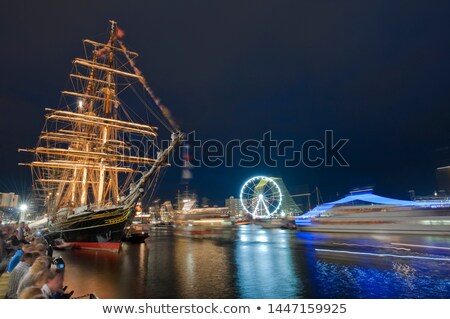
column 164, row 110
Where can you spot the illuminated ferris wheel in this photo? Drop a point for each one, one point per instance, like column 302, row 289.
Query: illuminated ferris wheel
column 261, row 197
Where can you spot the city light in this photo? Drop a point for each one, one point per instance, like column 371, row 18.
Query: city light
column 23, row 209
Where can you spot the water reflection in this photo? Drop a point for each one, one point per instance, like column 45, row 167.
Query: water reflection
column 90, row 271
column 203, row 269
column 266, row 263
column 375, row 267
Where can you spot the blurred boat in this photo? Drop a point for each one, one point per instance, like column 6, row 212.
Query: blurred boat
column 366, row 212
column 204, row 222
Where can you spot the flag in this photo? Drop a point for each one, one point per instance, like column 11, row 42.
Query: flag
column 120, row 33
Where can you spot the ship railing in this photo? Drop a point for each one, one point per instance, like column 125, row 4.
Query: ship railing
column 87, row 296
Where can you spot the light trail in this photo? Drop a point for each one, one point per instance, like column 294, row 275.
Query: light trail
column 384, row 247
column 422, row 246
column 382, row 255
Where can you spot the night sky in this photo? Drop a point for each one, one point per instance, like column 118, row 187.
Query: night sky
column 374, row 72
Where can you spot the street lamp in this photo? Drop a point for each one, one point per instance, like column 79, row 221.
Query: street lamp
column 23, row 208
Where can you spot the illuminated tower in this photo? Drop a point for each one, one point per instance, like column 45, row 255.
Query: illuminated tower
column 288, row 205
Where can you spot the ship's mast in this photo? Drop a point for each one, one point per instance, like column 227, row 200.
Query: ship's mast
column 109, row 92
column 83, row 149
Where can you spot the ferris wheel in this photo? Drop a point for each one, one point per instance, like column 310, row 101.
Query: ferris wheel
column 261, row 197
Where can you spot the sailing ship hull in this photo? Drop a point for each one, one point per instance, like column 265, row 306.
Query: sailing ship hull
column 99, row 229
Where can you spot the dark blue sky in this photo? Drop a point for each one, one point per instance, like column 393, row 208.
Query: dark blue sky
column 374, row 72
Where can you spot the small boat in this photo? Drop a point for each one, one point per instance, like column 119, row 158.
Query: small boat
column 61, row 244
column 136, row 232
column 241, row 222
column 162, row 225
column 289, row 224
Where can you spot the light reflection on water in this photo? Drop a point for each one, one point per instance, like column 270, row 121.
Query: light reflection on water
column 265, row 263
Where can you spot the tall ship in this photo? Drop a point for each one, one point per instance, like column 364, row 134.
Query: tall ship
column 96, row 157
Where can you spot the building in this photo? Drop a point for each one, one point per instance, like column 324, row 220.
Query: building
column 9, row 200
column 443, row 179
column 9, row 204
column 288, row 205
column 234, row 205
column 443, row 171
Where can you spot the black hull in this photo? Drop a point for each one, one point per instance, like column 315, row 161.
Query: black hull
column 100, row 230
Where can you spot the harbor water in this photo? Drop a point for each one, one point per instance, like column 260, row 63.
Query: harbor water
column 254, row 262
